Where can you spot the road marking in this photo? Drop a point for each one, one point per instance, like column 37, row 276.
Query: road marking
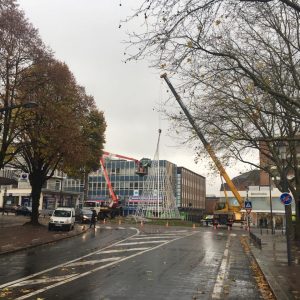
column 44, row 280
column 150, row 237
column 140, row 243
column 223, row 272
column 36, row 292
column 162, row 234
column 63, row 264
column 93, row 262
column 178, row 231
column 122, row 250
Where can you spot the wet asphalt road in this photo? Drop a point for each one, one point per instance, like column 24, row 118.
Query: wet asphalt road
column 122, row 263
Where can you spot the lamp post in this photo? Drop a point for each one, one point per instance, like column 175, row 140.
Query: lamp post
column 271, row 207
column 288, row 209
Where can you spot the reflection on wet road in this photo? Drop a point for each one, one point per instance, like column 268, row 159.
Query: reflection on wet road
column 170, row 264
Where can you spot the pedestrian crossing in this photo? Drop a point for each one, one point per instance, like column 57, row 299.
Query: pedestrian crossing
column 123, row 250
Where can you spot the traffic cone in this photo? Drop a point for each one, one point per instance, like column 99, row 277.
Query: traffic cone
column 104, row 221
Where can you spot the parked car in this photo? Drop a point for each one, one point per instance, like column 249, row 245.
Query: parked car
column 62, row 218
column 84, row 215
column 23, row 211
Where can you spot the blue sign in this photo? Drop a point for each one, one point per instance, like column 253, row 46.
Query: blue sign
column 286, row 199
column 248, row 204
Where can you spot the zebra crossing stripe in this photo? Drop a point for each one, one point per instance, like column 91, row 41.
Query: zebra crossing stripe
column 122, row 250
column 44, row 280
column 150, row 237
column 139, row 243
column 93, row 262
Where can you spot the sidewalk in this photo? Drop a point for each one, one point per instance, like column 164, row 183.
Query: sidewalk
column 284, row 280
column 17, row 236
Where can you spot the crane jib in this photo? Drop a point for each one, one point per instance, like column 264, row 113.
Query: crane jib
column 207, row 146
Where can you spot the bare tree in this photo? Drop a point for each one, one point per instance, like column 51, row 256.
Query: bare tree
column 238, row 68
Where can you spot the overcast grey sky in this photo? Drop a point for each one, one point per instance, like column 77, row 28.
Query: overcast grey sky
column 85, row 34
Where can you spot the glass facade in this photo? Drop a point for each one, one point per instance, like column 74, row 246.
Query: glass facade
column 128, row 186
column 124, row 180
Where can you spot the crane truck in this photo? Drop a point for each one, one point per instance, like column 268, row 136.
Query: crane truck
column 113, row 208
column 225, row 214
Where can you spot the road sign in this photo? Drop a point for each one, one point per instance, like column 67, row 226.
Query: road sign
column 248, row 210
column 248, row 204
column 286, row 198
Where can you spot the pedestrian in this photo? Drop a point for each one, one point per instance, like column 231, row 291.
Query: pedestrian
column 261, row 222
column 93, row 219
column 265, row 222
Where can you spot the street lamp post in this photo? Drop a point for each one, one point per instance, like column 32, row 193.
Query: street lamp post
column 271, row 207
column 288, row 209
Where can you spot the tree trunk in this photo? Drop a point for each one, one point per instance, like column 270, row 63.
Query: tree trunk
column 297, row 206
column 36, row 183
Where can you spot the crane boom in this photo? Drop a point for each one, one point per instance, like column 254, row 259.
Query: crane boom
column 112, row 194
column 206, row 145
column 105, row 153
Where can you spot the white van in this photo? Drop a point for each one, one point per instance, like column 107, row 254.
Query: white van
column 62, row 218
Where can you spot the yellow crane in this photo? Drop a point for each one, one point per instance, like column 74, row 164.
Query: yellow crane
column 227, row 212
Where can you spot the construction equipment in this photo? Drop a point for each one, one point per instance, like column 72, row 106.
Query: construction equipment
column 113, row 208
column 228, row 213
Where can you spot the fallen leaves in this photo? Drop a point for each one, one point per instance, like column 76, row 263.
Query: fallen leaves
column 259, row 277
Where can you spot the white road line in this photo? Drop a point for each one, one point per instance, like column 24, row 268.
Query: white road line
column 140, row 243
column 122, row 250
column 93, row 262
column 63, row 264
column 163, row 234
column 96, row 269
column 178, row 231
column 150, row 237
column 44, row 280
column 223, row 271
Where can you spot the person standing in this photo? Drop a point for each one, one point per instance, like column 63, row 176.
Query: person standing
column 93, row 219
